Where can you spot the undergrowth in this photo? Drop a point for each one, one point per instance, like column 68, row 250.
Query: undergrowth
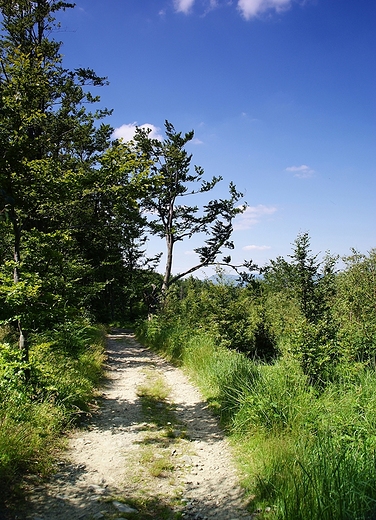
column 64, row 370
column 308, row 452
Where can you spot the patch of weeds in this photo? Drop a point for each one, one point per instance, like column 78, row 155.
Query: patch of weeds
column 149, row 508
column 154, row 387
column 153, row 488
column 158, row 463
column 153, row 394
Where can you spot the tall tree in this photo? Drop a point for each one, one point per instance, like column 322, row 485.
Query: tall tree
column 49, row 141
column 172, row 182
column 111, row 230
column 304, row 278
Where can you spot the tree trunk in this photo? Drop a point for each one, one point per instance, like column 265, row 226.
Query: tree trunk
column 167, row 275
column 22, row 338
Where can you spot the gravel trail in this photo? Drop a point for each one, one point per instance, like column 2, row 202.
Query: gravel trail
column 110, row 467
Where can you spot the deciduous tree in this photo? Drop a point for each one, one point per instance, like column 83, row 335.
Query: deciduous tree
column 172, row 184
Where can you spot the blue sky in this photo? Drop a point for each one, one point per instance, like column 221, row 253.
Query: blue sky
column 280, row 93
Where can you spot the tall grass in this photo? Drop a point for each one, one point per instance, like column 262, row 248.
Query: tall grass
column 309, row 454
column 33, row 413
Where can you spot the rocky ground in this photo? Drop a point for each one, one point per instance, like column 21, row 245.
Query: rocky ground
column 152, row 451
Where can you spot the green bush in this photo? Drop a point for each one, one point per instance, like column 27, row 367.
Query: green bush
column 33, row 412
column 308, row 450
column 355, row 308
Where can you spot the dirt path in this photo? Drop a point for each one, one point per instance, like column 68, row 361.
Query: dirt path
column 142, row 457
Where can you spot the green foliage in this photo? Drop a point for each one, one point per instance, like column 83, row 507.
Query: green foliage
column 298, row 299
column 304, row 279
column 303, row 424
column 355, row 308
column 173, row 219
column 70, row 227
column 64, row 374
column 232, row 315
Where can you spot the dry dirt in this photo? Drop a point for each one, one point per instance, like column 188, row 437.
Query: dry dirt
column 142, row 459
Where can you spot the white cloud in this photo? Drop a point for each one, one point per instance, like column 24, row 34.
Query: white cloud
column 303, row 171
column 252, row 8
column 247, row 8
column 256, row 248
column 252, row 216
column 183, row 6
column 127, row 131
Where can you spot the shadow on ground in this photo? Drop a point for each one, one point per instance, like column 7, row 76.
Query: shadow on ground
column 113, row 415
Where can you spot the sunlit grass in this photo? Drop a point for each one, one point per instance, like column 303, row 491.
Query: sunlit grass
column 33, row 414
column 305, row 453
column 154, row 386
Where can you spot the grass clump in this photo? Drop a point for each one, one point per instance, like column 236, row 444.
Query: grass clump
column 34, row 411
column 154, row 387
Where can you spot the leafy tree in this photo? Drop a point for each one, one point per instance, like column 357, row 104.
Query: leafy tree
column 51, row 145
column 171, row 183
column 110, row 228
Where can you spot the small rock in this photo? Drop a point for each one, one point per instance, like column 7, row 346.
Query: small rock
column 124, row 508
column 99, row 490
column 62, row 497
column 98, row 516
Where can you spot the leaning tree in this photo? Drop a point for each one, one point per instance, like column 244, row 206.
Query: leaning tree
column 172, row 182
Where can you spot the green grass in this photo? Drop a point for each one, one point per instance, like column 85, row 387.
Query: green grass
column 154, row 386
column 61, row 388
column 307, row 453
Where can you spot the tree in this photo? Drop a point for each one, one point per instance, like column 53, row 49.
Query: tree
column 49, row 140
column 306, row 280
column 298, row 306
column 171, row 181
column 111, row 229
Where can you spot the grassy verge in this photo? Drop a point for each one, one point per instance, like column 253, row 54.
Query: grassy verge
column 65, row 369
column 306, row 454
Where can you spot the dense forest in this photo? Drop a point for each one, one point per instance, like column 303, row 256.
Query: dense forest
column 284, row 353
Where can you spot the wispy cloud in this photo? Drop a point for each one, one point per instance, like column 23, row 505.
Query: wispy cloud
column 256, row 248
column 251, row 8
column 252, row 216
column 127, row 131
column 303, row 171
column 247, row 8
column 183, row 6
